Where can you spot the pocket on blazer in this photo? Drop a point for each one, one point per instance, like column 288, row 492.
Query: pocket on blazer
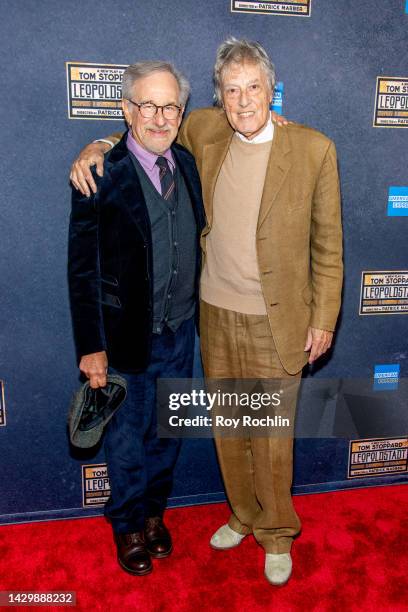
column 107, row 299
column 110, row 280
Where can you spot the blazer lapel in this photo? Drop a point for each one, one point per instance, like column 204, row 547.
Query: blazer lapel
column 125, row 176
column 213, row 157
column 277, row 171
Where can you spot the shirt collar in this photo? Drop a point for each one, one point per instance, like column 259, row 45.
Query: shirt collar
column 146, row 158
column 265, row 136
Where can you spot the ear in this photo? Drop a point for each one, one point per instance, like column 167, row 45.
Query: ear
column 126, row 112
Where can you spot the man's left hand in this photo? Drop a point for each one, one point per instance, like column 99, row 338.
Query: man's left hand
column 318, row 342
column 279, row 120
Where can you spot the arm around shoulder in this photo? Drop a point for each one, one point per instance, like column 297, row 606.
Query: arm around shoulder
column 91, row 155
column 112, row 139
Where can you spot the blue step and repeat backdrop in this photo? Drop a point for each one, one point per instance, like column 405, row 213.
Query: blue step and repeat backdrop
column 342, row 69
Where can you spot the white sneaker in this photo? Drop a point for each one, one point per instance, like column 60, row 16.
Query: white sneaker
column 278, row 568
column 225, row 538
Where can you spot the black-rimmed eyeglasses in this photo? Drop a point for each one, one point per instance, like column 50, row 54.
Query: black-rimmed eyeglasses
column 148, row 110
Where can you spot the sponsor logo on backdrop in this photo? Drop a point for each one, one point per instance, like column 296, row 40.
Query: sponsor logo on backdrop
column 94, row 90
column 2, row 405
column 397, row 202
column 379, row 457
column 391, row 102
column 298, row 8
column 384, row 292
column 386, row 377
column 95, row 485
column 277, row 100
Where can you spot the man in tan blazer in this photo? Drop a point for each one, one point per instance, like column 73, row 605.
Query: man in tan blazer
column 272, row 275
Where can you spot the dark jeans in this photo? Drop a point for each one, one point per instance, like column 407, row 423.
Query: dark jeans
column 140, row 465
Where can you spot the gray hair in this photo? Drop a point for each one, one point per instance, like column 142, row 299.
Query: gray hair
column 239, row 51
column 137, row 71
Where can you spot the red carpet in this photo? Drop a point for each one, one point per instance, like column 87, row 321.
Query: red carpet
column 351, row 555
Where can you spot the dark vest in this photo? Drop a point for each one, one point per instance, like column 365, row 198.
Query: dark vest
column 174, row 240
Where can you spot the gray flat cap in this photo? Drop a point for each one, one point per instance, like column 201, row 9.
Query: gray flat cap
column 91, row 409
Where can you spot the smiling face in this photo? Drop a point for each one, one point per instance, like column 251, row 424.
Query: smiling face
column 246, row 97
column 155, row 134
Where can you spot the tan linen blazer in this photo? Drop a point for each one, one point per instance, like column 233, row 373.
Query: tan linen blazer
column 299, row 235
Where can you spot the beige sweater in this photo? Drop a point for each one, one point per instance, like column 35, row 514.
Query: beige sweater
column 230, row 277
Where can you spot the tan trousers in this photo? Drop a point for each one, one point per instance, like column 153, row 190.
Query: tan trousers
column 257, row 471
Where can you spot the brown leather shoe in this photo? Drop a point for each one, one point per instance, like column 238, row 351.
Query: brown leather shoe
column 132, row 554
column 157, row 538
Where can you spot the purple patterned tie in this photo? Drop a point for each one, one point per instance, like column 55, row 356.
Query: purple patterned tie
column 166, row 179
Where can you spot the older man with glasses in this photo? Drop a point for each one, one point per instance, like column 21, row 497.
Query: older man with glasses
column 133, row 277
column 272, row 277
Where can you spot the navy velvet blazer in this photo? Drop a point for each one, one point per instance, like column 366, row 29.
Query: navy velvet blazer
column 110, row 269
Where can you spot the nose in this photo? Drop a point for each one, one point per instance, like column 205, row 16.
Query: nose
column 243, row 98
column 159, row 118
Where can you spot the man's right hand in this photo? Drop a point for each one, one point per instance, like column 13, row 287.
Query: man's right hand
column 81, row 175
column 95, row 366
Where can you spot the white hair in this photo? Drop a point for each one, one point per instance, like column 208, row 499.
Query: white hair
column 237, row 51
